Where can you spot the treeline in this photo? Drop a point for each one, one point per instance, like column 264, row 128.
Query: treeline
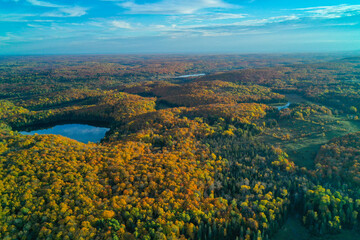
column 204, row 92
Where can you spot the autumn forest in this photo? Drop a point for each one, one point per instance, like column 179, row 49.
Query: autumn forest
column 199, row 147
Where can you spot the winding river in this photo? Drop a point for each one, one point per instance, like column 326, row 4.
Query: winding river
column 284, row 106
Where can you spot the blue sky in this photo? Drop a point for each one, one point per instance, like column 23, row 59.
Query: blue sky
column 178, row 26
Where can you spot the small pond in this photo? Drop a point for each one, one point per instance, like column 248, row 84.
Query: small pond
column 80, row 132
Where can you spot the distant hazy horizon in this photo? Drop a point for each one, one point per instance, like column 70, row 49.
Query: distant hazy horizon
column 351, row 53
column 29, row 27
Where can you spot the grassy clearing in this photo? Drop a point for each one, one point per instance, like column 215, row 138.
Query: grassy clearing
column 294, row 230
column 295, row 98
column 306, row 136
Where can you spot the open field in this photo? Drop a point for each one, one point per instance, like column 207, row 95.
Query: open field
column 294, row 230
column 306, row 136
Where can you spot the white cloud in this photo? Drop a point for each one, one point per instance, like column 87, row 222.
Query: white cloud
column 337, row 11
column 15, row 17
column 224, row 16
column 4, row 38
column 62, row 10
column 74, row 11
column 264, row 21
column 67, row 12
column 25, row 17
column 169, row 7
column 207, row 17
column 10, row 38
column 121, row 24
column 250, row 27
column 44, row 4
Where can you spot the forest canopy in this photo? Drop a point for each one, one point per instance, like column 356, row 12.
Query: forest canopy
column 185, row 158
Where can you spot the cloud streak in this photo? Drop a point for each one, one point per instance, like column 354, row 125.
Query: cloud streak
column 169, row 7
column 44, row 4
column 253, row 26
column 15, row 17
column 121, row 24
column 62, row 10
column 208, row 17
column 67, row 12
column 336, row 11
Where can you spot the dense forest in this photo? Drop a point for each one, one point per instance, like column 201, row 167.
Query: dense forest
column 219, row 156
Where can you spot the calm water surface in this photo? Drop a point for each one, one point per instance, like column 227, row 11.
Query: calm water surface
column 80, row 132
column 191, row 75
column 284, row 107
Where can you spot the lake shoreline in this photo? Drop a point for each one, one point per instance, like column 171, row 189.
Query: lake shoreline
column 50, row 124
column 80, row 132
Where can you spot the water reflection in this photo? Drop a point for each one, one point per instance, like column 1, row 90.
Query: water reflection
column 80, row 132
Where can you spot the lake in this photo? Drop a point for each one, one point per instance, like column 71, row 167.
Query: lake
column 191, row 75
column 79, row 132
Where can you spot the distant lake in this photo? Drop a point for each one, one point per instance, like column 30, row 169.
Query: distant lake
column 79, row 132
column 191, row 75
